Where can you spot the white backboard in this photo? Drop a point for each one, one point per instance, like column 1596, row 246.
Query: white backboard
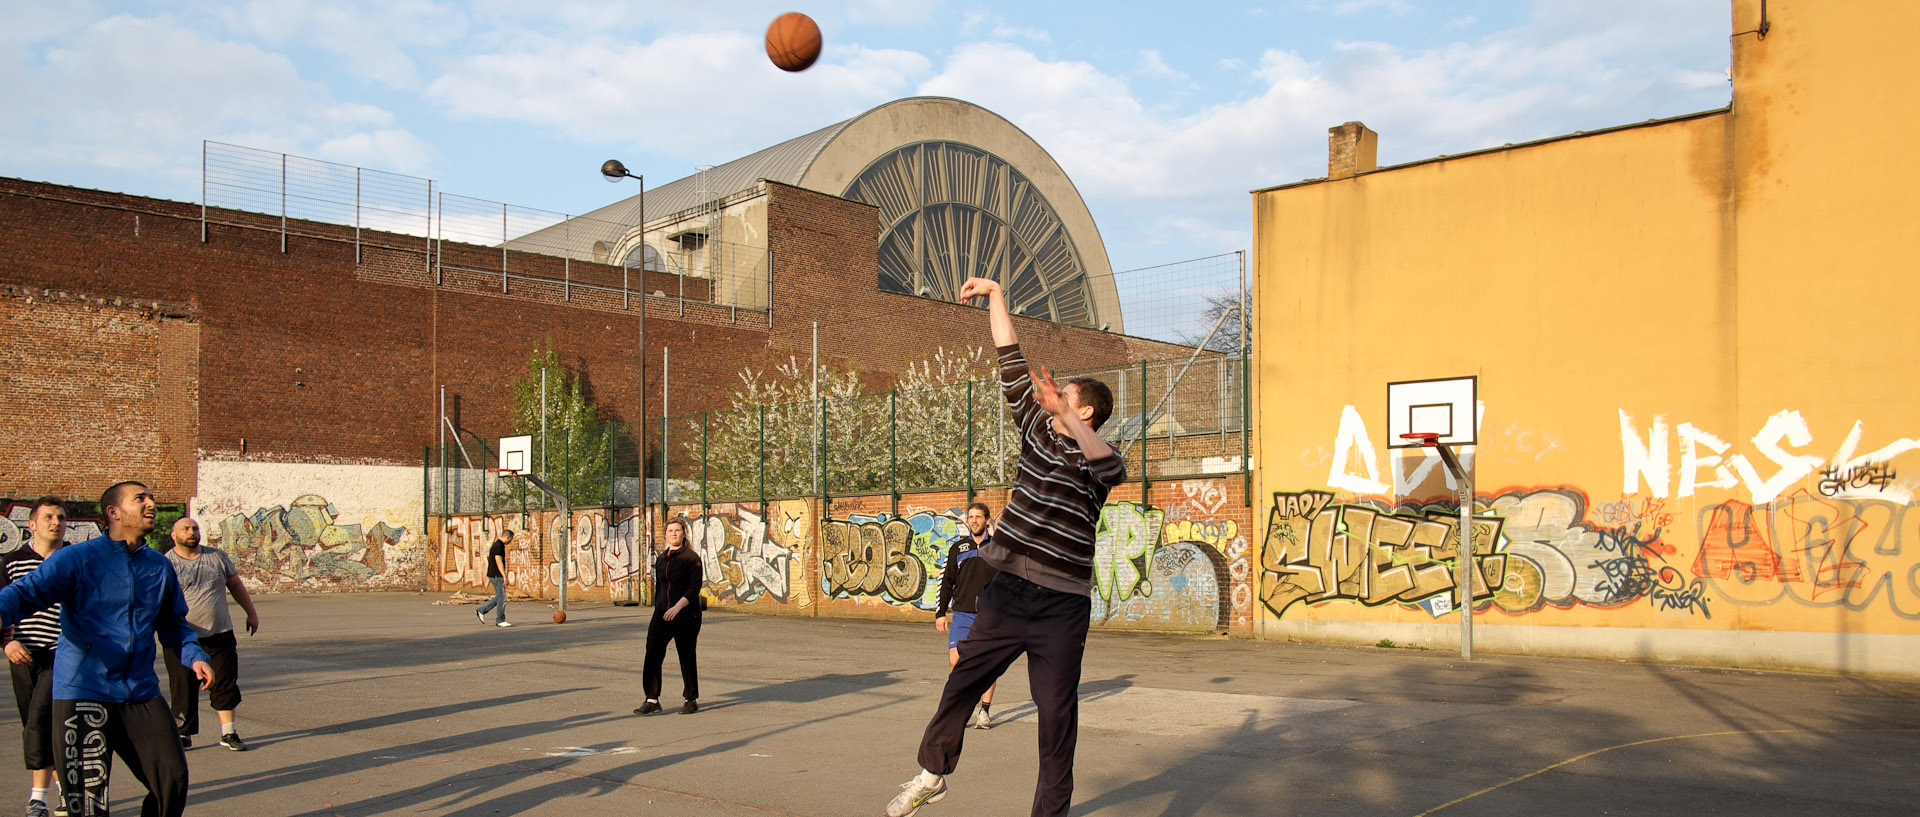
column 516, row 454
column 1444, row 406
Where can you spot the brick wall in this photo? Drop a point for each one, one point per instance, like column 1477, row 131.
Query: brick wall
column 95, row 391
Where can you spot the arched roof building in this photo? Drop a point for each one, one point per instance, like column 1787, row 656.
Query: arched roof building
column 960, row 192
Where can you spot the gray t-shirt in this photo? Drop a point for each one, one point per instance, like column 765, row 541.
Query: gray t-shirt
column 204, row 581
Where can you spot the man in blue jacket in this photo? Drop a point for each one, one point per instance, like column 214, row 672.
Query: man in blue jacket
column 115, row 595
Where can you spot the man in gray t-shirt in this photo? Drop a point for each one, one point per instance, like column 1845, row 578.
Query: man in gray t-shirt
column 206, row 577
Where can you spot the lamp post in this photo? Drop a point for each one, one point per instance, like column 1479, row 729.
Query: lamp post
column 614, row 172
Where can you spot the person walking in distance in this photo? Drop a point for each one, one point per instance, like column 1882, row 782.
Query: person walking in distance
column 497, row 576
column 206, row 576
column 676, row 617
column 960, row 585
column 115, row 595
column 30, row 645
column 1040, row 603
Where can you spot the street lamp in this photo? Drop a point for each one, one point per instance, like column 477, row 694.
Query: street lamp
column 613, row 171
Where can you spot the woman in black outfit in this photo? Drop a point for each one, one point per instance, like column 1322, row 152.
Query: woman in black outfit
column 676, row 617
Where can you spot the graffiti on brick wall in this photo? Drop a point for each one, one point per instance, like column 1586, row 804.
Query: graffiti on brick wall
column 1148, row 572
column 1647, row 461
column 307, row 543
column 1532, row 549
column 1813, row 550
column 749, row 557
column 893, row 559
column 14, row 533
column 604, row 550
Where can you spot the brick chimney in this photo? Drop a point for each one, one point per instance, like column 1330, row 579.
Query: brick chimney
column 1351, row 149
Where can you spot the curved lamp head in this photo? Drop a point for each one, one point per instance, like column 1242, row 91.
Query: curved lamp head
column 614, row 170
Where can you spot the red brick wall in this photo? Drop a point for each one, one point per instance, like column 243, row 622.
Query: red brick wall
column 126, row 368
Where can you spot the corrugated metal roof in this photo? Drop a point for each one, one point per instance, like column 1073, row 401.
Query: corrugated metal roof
column 785, row 162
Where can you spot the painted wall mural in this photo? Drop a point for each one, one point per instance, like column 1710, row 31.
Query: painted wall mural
column 607, row 557
column 1532, row 550
column 1801, row 524
column 751, row 557
column 304, row 528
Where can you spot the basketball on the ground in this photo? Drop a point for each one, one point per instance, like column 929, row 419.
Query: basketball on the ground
column 793, row 41
column 559, row 616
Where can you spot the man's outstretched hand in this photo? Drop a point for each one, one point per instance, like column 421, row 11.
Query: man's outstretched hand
column 976, row 287
column 1047, row 395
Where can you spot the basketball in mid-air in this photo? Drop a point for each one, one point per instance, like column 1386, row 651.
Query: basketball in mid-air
column 793, row 41
column 559, row 616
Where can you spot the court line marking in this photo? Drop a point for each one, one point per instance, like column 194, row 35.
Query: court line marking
column 1578, row 758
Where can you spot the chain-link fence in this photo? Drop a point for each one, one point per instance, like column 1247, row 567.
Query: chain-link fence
column 595, row 466
column 466, row 237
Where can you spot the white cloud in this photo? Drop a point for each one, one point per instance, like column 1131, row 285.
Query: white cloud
column 1153, row 65
column 890, row 12
column 1149, row 174
column 136, row 94
column 995, row 27
column 711, row 94
column 374, row 37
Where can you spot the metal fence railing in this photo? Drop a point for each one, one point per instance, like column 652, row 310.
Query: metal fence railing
column 299, row 196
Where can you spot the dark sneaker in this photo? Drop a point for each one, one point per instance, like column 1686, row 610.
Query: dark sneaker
column 186, row 742
column 648, row 708
column 690, row 708
column 914, row 794
column 36, row 808
column 60, row 806
column 232, row 740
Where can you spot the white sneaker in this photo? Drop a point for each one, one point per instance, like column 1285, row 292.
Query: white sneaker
column 981, row 720
column 481, row 617
column 915, row 794
column 504, row 624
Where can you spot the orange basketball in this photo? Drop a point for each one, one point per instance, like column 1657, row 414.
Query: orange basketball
column 793, row 41
column 559, row 616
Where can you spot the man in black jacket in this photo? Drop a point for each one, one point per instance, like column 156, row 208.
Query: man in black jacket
column 676, row 617
column 960, row 585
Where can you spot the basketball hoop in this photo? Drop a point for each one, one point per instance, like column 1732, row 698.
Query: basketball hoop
column 1424, row 439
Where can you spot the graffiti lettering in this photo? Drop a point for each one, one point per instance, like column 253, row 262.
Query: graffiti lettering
column 1647, row 460
column 871, row 556
column 1368, row 555
column 1815, row 550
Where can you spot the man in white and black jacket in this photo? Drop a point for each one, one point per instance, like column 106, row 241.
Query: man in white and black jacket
column 965, row 576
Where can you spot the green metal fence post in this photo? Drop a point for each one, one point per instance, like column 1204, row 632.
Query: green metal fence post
column 969, row 441
column 822, row 444
column 1145, row 484
column 426, row 486
column 612, row 477
column 893, row 448
column 703, row 463
column 763, row 460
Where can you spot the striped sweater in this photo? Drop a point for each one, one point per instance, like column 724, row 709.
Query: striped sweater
column 40, row 631
column 1045, row 534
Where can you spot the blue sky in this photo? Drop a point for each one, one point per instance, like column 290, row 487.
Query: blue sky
column 1165, row 114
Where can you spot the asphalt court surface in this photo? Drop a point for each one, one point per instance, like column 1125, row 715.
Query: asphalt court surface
column 392, row 704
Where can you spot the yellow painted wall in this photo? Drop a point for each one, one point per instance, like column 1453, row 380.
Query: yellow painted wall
column 1747, row 273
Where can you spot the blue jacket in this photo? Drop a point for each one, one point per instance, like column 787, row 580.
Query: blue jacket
column 112, row 604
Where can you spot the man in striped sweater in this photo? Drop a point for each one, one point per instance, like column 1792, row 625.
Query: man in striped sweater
column 29, row 647
column 1041, row 602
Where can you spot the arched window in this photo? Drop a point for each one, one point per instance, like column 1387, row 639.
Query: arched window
column 950, row 211
column 646, row 258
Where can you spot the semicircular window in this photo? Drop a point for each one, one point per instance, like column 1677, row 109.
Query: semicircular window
column 950, row 211
column 646, row 258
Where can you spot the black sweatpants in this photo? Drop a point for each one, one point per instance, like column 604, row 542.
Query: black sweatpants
column 223, row 655
column 33, row 691
column 684, row 632
column 141, row 734
column 1017, row 616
